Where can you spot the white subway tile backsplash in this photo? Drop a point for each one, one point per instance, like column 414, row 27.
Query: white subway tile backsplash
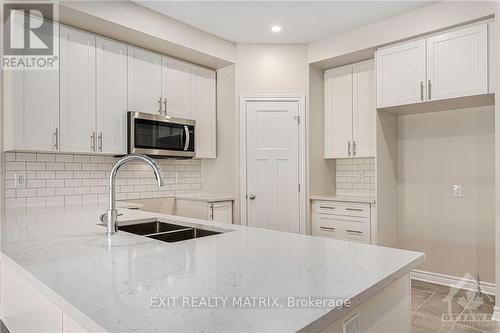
column 355, row 177
column 54, row 179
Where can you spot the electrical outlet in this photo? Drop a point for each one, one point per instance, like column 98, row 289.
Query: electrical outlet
column 351, row 325
column 457, row 191
column 20, row 179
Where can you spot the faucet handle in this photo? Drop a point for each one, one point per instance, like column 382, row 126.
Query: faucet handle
column 104, row 217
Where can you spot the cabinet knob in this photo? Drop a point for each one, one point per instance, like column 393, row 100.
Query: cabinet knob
column 251, row 196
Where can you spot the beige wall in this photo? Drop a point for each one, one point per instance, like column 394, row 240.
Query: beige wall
column 267, row 69
column 321, row 171
column 436, row 150
column 218, row 174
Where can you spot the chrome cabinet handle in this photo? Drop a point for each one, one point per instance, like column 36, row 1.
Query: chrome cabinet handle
column 251, row 196
column 160, row 111
column 354, row 231
column 353, row 148
column 429, row 86
column 327, row 228
column 211, row 211
column 165, row 104
column 56, row 134
column 354, row 209
column 92, row 142
column 421, row 90
column 186, row 144
column 100, row 141
column 326, row 207
column 348, row 148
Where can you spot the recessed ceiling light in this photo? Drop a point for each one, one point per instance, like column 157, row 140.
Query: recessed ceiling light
column 275, row 28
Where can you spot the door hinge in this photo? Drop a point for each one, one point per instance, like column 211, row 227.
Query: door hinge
column 297, row 118
column 299, row 187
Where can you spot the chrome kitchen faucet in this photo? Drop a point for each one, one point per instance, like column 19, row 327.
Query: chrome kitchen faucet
column 110, row 217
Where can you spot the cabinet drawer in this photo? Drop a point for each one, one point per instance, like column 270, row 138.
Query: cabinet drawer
column 342, row 227
column 342, row 208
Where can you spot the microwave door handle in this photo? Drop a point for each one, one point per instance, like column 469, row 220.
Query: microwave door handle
column 186, row 143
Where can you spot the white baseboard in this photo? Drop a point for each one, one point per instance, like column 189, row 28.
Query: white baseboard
column 453, row 281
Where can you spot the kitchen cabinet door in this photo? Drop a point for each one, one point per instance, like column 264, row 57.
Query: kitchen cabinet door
column 144, row 81
column 111, row 62
column 364, row 109
column 31, row 108
column 176, row 88
column 77, row 73
column 338, row 112
column 457, row 63
column 203, row 111
column 221, row 211
column 401, row 74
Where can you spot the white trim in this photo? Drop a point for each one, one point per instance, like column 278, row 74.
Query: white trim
column 496, row 313
column 302, row 152
column 453, row 281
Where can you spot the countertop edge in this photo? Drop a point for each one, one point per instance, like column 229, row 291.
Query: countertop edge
column 66, row 307
column 324, row 321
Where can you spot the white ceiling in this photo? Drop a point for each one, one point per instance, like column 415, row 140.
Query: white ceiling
column 302, row 21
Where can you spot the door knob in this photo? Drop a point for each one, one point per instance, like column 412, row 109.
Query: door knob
column 251, row 196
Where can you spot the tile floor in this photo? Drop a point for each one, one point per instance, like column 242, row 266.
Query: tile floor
column 432, row 305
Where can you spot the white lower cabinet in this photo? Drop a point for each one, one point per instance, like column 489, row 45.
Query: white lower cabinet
column 342, row 220
column 217, row 211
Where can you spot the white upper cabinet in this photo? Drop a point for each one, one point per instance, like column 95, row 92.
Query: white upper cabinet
column 457, row 63
column 364, row 110
column 77, row 90
column 176, row 88
column 111, row 89
column 350, row 111
column 401, row 74
column 443, row 66
column 31, row 100
column 338, row 112
column 144, row 81
column 203, row 111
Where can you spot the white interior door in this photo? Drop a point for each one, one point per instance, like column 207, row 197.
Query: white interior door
column 457, row 63
column 273, row 165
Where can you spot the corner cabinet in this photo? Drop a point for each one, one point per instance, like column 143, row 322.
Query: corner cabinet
column 204, row 111
column 443, row 66
column 350, row 111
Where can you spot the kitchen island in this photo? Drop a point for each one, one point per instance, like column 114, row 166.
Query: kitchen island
column 61, row 273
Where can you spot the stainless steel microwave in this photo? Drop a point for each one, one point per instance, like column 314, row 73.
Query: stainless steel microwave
column 160, row 136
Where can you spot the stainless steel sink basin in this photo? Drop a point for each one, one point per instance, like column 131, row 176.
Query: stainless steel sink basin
column 167, row 232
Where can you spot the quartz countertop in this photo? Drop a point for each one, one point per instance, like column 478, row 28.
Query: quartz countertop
column 208, row 197
column 108, row 283
column 333, row 197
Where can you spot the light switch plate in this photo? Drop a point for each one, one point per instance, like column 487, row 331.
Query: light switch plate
column 457, row 191
column 351, row 325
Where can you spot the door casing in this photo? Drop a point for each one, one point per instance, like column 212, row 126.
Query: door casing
column 300, row 99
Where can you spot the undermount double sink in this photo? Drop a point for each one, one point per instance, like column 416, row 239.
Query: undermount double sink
column 167, row 232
